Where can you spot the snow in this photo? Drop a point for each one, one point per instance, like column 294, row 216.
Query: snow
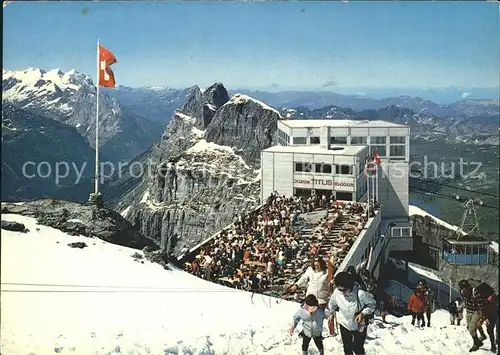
column 151, row 204
column 185, row 117
column 198, row 133
column 145, row 197
column 494, row 246
column 37, row 87
column 31, row 76
column 424, row 273
column 240, row 99
column 101, row 300
column 202, row 146
column 125, row 212
column 258, row 176
column 75, row 220
column 414, row 210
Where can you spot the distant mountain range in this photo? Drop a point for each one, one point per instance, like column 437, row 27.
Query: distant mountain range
column 317, row 100
column 70, row 98
column 159, row 103
column 465, row 129
column 154, row 103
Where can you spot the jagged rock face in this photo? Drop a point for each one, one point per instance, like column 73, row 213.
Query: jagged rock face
column 246, row 124
column 199, row 182
column 202, row 106
column 77, row 219
column 70, row 98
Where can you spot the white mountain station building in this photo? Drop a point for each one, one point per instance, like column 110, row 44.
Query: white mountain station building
column 327, row 157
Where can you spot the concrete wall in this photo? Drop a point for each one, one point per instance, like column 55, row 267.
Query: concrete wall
column 393, row 189
column 365, row 239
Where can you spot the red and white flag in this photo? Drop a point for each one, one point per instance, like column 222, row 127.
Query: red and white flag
column 106, row 76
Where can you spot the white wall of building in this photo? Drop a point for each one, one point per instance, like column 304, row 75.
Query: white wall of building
column 393, row 188
column 371, row 136
column 267, row 175
column 279, row 173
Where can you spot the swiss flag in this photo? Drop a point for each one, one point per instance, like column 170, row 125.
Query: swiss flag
column 106, row 76
column 377, row 159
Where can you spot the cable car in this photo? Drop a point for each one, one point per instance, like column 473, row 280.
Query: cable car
column 468, row 250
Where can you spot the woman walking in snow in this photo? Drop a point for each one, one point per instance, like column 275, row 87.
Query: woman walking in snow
column 417, row 307
column 316, row 280
column 312, row 317
column 354, row 305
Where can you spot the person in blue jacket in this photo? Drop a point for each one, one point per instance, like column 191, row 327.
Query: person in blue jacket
column 353, row 306
column 312, row 317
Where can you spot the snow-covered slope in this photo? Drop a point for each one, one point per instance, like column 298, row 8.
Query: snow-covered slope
column 414, row 210
column 101, row 300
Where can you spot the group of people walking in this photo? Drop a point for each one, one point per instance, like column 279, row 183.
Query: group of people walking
column 355, row 298
column 420, row 303
column 350, row 306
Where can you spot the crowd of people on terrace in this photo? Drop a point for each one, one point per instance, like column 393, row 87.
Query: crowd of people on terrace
column 264, row 249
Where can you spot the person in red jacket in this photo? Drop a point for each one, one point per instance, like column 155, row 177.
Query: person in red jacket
column 417, row 307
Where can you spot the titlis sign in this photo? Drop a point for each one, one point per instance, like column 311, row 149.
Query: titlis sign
column 322, row 182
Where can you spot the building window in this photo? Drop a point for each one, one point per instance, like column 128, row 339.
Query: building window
column 398, row 140
column 380, row 149
column 323, row 168
column 303, row 167
column 397, row 150
column 343, row 169
column 314, row 140
column 377, row 140
column 338, row 140
column 406, row 232
column 343, row 196
column 303, row 192
column 401, row 232
column 358, row 140
column 299, row 140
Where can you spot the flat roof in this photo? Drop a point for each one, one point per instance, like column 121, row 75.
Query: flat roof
column 340, row 123
column 350, row 150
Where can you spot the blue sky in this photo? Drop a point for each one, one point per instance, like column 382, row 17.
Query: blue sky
column 296, row 45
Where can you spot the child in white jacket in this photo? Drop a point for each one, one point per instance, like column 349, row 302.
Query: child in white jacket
column 353, row 306
column 312, row 317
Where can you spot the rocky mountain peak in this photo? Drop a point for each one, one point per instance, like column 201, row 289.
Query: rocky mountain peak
column 202, row 105
column 246, row 124
column 216, row 94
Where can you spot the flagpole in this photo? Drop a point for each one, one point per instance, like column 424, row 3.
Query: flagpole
column 367, row 191
column 376, row 183
column 96, row 189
